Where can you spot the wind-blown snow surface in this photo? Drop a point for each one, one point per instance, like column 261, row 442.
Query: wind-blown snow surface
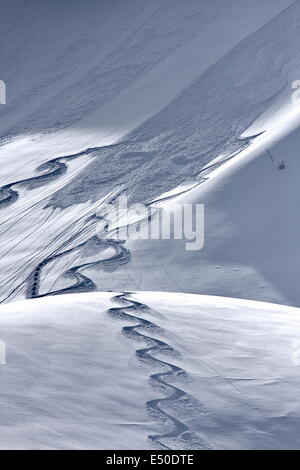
column 72, row 380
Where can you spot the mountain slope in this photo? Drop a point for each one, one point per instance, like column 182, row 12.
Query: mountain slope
column 239, row 361
column 57, row 175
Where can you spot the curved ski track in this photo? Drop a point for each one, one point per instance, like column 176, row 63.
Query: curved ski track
column 82, row 282
column 174, row 396
column 53, row 169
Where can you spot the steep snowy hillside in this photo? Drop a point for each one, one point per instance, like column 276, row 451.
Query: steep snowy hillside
column 251, row 225
column 63, row 62
column 168, row 90
column 189, row 371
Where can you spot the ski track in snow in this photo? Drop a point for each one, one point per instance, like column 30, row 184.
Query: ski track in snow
column 176, row 397
column 53, row 169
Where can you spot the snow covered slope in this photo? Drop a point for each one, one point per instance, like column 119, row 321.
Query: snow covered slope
column 252, row 228
column 198, row 372
column 169, row 103
column 63, row 62
column 138, row 100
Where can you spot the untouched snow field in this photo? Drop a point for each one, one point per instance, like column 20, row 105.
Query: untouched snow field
column 73, row 380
